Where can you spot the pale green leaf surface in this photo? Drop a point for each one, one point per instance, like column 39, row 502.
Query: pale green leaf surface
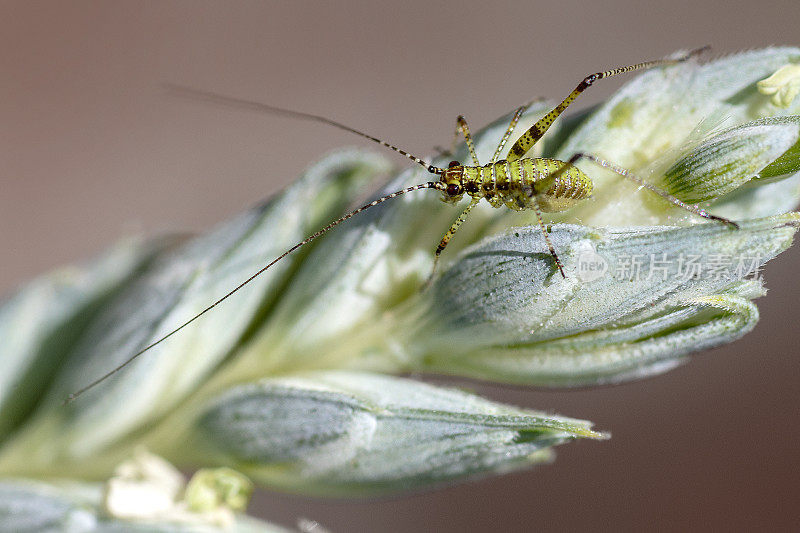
column 727, row 160
column 788, row 163
column 175, row 287
column 760, row 201
column 347, row 433
column 502, row 312
column 40, row 322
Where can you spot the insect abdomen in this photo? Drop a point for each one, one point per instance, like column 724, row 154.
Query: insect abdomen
column 556, row 185
column 563, row 185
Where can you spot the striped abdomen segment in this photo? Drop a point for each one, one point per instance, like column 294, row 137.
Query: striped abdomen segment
column 556, row 185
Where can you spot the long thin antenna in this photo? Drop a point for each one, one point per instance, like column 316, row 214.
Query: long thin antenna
column 430, row 185
column 251, row 105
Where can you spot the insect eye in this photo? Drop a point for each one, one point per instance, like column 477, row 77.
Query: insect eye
column 454, row 164
column 453, row 189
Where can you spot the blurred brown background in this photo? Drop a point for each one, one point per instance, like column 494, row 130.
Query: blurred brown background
column 90, row 150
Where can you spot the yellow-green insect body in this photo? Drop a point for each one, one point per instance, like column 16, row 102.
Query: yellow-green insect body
column 553, row 185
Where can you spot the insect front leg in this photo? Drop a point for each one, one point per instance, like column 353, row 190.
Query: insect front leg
column 662, row 193
column 449, row 235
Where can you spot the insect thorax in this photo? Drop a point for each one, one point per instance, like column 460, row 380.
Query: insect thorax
column 556, row 185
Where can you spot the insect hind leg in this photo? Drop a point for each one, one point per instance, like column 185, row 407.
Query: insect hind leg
column 537, row 131
column 624, row 172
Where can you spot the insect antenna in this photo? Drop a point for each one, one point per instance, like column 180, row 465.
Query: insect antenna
column 251, row 105
column 429, row 185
